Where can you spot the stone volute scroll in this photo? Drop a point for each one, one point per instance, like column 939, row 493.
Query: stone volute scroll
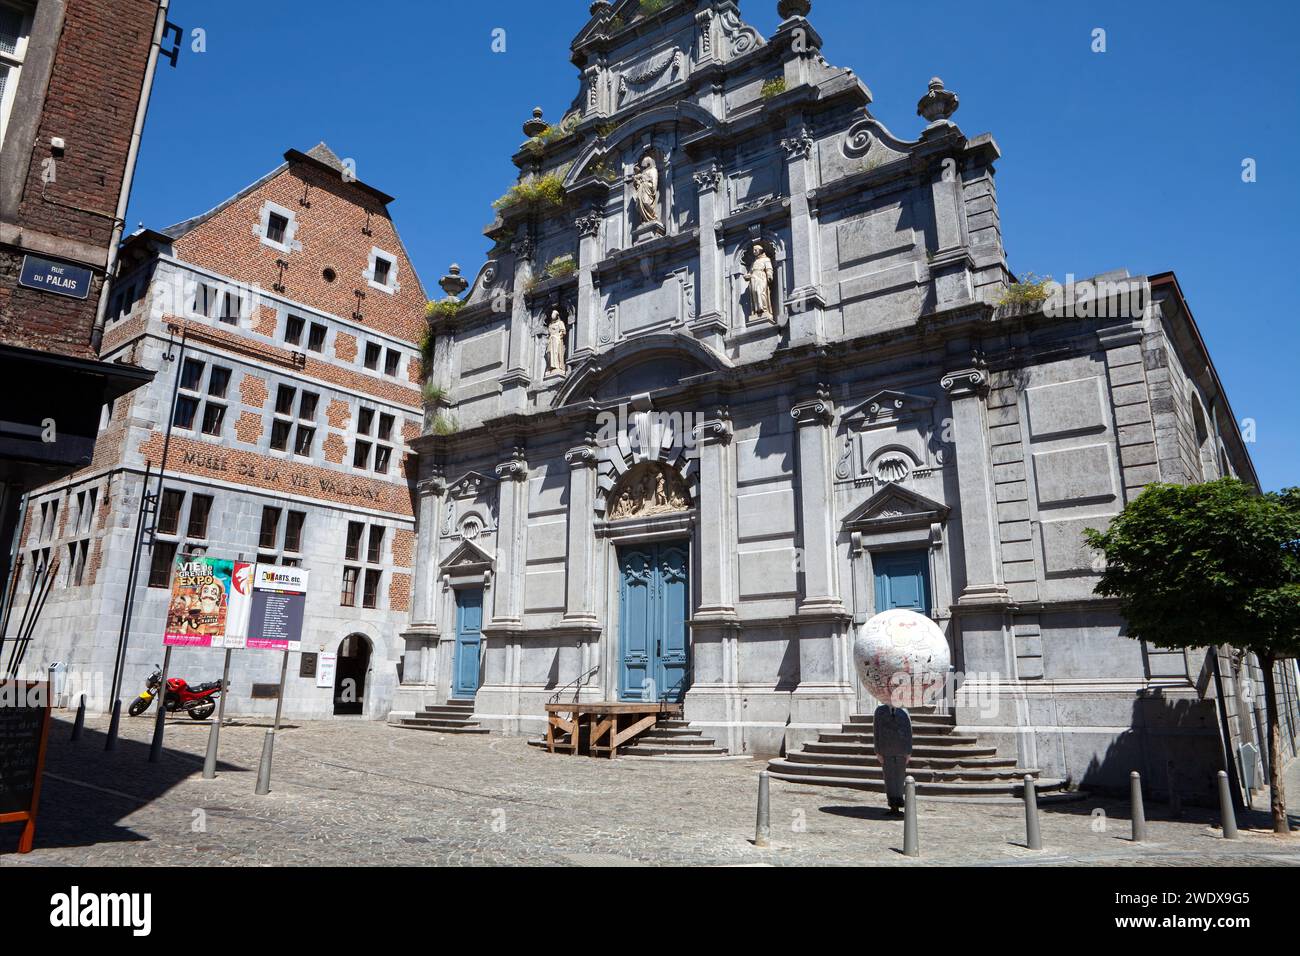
column 648, row 489
column 761, row 279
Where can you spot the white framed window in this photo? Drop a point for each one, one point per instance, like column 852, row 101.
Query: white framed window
column 15, row 32
column 381, row 272
column 277, row 227
column 201, row 398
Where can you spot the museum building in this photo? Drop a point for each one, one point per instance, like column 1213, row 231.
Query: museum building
column 743, row 368
column 283, row 329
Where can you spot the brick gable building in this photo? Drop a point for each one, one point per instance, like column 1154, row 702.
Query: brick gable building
column 284, row 327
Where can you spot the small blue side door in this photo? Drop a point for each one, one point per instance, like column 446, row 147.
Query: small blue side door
column 902, row 580
column 469, row 624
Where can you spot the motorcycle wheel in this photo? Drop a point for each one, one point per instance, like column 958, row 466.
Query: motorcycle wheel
column 138, row 706
column 203, row 711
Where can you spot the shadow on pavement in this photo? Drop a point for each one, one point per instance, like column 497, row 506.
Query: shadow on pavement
column 109, row 787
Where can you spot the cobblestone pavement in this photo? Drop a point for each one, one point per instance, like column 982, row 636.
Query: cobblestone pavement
column 359, row 793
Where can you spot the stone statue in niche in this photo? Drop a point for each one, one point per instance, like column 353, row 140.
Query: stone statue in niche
column 645, row 185
column 648, row 489
column 762, row 283
column 557, row 334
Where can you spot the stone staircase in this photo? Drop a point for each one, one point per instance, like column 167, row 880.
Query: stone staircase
column 668, row 738
column 453, row 717
column 673, row 738
column 943, row 762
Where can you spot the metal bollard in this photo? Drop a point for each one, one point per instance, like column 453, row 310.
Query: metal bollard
column 763, row 829
column 210, row 759
column 80, row 723
column 264, row 768
column 1033, row 836
column 1138, row 813
column 110, row 741
column 911, row 842
column 1227, row 815
column 159, row 728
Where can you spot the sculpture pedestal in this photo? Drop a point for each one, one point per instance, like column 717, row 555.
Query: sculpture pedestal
column 647, row 231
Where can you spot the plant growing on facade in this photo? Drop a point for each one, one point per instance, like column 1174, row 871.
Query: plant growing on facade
column 445, row 425
column 1210, row 564
column 773, row 87
column 434, row 395
column 1030, row 289
column 648, row 8
column 544, row 191
column 561, row 266
column 442, row 308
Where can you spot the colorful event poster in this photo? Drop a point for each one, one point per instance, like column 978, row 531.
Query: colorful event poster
column 210, row 596
column 278, row 602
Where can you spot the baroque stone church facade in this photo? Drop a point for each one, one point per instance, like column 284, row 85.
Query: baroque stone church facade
column 744, row 368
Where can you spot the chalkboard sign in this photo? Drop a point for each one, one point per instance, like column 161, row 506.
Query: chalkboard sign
column 24, row 731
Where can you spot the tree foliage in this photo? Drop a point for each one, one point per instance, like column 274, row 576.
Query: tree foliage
column 1213, row 563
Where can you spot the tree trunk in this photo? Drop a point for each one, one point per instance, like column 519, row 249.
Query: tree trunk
column 1277, row 795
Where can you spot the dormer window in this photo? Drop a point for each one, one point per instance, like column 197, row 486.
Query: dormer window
column 382, row 271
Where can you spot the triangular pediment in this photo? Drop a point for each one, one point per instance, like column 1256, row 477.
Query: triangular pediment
column 471, row 484
column 466, row 555
column 889, row 405
column 895, row 504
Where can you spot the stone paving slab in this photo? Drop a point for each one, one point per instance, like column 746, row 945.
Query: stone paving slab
column 357, row 793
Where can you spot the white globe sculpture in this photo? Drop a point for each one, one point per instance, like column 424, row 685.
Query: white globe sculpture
column 902, row 658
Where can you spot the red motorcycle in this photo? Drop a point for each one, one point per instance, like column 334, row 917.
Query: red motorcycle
column 199, row 702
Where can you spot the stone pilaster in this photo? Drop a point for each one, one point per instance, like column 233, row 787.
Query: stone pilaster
column 512, row 526
column 715, row 510
column 803, row 302
column 710, row 325
column 580, row 583
column 588, row 305
column 967, row 390
column 821, row 592
column 518, row 376
column 421, row 636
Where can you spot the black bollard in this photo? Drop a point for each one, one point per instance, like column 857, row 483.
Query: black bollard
column 1033, row 836
column 763, row 828
column 264, row 768
column 79, row 723
column 110, row 741
column 1138, row 813
column 911, row 841
column 1227, row 815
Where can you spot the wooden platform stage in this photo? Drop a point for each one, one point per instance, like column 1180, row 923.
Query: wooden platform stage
column 607, row 725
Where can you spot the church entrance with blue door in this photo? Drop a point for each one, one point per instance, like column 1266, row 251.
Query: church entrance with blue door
column 469, row 639
column 902, row 580
column 654, row 605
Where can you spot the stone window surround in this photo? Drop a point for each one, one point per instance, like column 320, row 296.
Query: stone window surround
column 283, row 308
column 393, row 286
column 180, row 537
column 14, row 61
column 293, row 418
column 201, row 396
column 362, row 564
column 371, row 437
column 290, row 244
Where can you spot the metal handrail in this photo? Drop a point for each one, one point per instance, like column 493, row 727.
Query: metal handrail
column 555, row 698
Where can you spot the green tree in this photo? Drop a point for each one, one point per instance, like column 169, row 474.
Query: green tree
column 1214, row 563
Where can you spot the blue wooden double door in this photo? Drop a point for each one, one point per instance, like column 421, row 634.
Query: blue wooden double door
column 469, row 640
column 654, row 605
column 902, row 580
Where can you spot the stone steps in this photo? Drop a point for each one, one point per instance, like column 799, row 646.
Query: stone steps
column 453, row 717
column 943, row 762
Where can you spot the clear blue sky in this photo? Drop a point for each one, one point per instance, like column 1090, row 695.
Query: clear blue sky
column 1129, row 158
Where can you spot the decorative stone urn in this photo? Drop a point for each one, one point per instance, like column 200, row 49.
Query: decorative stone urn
column 902, row 658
